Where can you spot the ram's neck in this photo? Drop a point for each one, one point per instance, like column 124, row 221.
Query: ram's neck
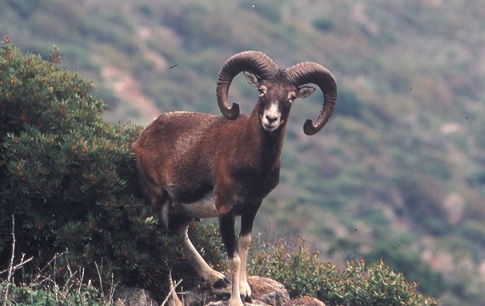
column 266, row 146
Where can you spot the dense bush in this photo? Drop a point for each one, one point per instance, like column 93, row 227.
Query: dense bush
column 37, row 295
column 67, row 177
column 350, row 104
column 357, row 283
column 323, row 24
column 431, row 282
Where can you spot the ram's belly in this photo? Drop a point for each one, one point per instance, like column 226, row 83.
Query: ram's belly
column 203, row 208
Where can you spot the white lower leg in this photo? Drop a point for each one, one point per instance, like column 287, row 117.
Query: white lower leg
column 244, row 243
column 198, row 263
column 235, row 265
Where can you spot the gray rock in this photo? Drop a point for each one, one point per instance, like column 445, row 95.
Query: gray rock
column 268, row 290
column 265, row 292
column 133, row 297
column 304, row 301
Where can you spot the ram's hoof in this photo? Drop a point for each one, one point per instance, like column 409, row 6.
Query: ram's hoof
column 247, row 299
column 221, row 283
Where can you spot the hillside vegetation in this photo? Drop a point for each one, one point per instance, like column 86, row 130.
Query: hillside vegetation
column 398, row 173
column 75, row 228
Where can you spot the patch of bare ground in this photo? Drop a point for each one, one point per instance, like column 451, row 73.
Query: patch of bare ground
column 128, row 91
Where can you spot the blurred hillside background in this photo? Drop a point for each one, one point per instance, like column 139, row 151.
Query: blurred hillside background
column 399, row 171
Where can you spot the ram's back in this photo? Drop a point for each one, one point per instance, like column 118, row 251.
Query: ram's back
column 177, row 152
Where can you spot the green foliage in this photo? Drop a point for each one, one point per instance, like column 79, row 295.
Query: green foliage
column 373, row 148
column 350, row 104
column 357, row 283
column 56, row 285
column 68, row 178
column 473, row 231
column 268, row 10
column 24, row 7
column 323, row 24
column 424, row 196
column 37, row 295
column 431, row 282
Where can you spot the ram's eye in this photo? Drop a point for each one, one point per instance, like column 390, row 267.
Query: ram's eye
column 261, row 92
column 292, row 99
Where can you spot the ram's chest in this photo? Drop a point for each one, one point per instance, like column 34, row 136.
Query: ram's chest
column 254, row 182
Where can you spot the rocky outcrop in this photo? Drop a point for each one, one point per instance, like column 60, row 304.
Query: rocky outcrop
column 265, row 292
column 133, row 297
column 268, row 291
column 304, row 301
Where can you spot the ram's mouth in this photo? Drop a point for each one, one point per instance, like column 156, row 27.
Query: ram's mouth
column 271, row 126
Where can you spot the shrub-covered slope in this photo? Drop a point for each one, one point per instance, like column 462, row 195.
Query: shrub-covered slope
column 78, row 232
column 397, row 174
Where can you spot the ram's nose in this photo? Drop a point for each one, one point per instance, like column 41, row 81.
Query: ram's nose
column 270, row 122
column 270, row 118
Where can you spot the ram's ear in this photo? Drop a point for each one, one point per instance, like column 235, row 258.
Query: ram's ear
column 305, row 91
column 252, row 79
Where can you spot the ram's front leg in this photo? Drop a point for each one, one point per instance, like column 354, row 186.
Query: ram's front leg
column 247, row 220
column 226, row 223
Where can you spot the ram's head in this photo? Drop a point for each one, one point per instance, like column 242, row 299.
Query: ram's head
column 277, row 88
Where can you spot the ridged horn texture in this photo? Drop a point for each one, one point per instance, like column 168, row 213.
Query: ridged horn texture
column 308, row 72
column 253, row 61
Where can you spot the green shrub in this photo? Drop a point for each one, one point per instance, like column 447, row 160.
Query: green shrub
column 302, row 273
column 68, row 178
column 37, row 295
column 423, row 196
column 323, row 24
column 350, row 104
column 53, row 288
column 473, row 231
column 432, row 282
column 269, row 10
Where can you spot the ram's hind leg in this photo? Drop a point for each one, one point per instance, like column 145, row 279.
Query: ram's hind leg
column 161, row 204
column 196, row 261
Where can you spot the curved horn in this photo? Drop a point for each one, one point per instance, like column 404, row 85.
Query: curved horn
column 308, row 72
column 254, row 61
